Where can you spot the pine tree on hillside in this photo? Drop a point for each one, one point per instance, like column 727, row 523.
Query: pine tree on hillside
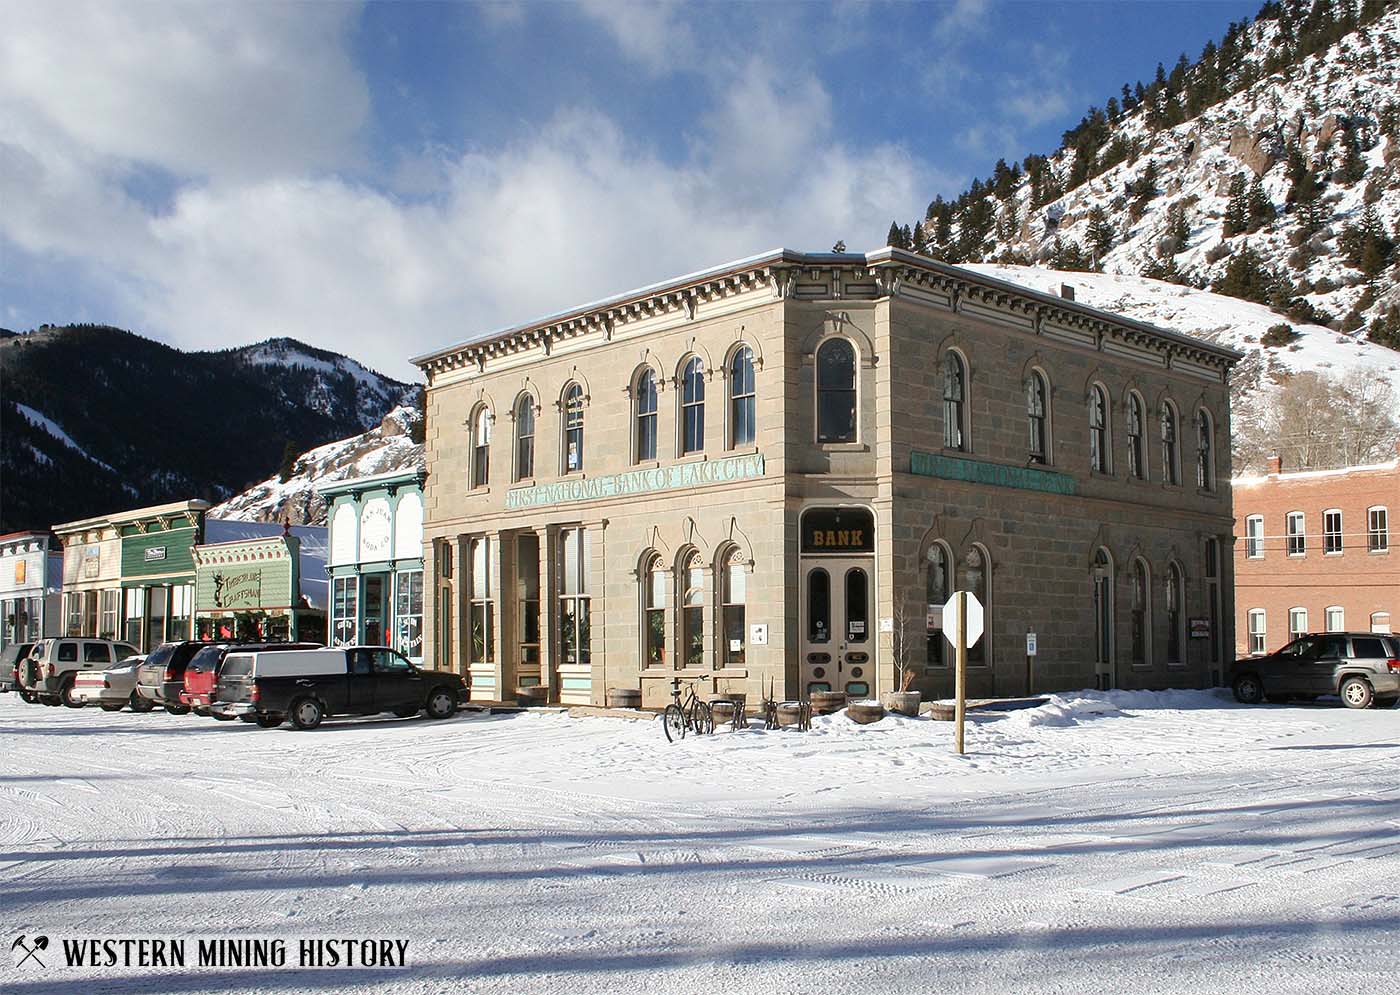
column 1353, row 167
column 1237, row 207
column 1100, row 233
column 1385, row 329
column 895, row 238
column 1178, row 231
column 1246, row 277
column 1259, row 208
column 1366, row 244
column 287, row 466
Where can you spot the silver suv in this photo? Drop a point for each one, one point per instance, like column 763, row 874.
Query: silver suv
column 48, row 673
column 1363, row 668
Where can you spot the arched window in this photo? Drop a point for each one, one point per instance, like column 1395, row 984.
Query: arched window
column 573, row 428
column 481, row 447
column 693, row 407
column 836, row 391
column 1171, row 461
column 733, row 603
column 1142, row 614
column 1380, row 622
column 1103, row 612
column 937, row 589
column 693, row 611
column 1137, row 442
column 1098, row 429
column 654, row 612
column 954, row 402
column 646, row 416
column 1205, row 451
column 977, row 568
column 1176, row 620
column 1037, row 416
column 741, row 399
column 524, row 438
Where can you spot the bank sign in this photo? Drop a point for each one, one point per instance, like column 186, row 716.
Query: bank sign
column 634, row 482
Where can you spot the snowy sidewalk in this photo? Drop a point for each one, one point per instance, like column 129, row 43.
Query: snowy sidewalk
column 1125, row 842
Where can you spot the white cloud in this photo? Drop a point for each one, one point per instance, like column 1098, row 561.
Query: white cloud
column 570, row 212
column 654, row 33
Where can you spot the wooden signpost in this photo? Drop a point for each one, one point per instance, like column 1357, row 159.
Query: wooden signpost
column 965, row 612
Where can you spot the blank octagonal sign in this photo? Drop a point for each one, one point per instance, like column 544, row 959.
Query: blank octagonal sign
column 974, row 619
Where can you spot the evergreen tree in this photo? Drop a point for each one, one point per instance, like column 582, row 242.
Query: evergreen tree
column 906, row 238
column 920, row 242
column 1246, row 277
column 1366, row 244
column 287, row 466
column 1353, row 167
column 1237, row 207
column 1100, row 233
column 1385, row 329
column 895, row 238
column 1259, row 209
column 1178, row 231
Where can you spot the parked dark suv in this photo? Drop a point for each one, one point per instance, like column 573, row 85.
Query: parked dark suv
column 162, row 676
column 202, row 672
column 1362, row 667
column 307, row 685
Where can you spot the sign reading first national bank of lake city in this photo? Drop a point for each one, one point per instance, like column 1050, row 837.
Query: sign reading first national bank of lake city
column 649, row 481
column 1024, row 478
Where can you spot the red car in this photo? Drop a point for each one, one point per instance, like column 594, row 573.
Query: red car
column 202, row 673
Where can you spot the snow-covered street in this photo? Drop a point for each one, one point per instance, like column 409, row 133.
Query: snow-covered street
column 1130, row 842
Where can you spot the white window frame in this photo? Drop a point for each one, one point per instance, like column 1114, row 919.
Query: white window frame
column 1377, row 539
column 1258, row 635
column 1341, row 618
column 1254, row 541
column 1298, row 538
column 1377, row 626
column 1329, row 533
column 1296, row 615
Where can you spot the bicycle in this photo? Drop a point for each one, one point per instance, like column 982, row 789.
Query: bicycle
column 693, row 714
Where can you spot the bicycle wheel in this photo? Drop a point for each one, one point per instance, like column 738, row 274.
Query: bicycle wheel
column 704, row 719
column 673, row 723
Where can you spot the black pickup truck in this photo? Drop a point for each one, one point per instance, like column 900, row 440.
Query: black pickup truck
column 270, row 686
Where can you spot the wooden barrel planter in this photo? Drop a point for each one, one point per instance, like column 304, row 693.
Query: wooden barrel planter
column 792, row 715
column 624, row 698
column 903, row 702
column 827, row 702
column 736, row 697
column 865, row 712
column 722, row 709
column 533, row 696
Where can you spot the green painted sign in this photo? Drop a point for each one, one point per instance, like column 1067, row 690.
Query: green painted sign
column 157, row 554
column 1023, row 478
column 246, row 577
column 665, row 478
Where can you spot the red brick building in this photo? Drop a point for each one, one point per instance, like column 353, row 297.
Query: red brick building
column 1313, row 553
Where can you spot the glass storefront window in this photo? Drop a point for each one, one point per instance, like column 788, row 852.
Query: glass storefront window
column 483, row 615
column 345, row 602
column 574, row 598
column 133, row 615
column 408, row 613
column 527, row 571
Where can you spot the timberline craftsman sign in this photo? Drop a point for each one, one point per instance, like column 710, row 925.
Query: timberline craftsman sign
column 1023, row 478
column 838, row 531
column 232, row 590
column 665, row 478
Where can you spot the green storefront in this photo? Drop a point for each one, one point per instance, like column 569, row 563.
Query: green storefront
column 157, row 572
column 262, row 589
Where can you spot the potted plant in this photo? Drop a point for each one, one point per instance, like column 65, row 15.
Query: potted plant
column 903, row 701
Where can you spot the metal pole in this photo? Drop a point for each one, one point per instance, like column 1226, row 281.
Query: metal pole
column 960, row 709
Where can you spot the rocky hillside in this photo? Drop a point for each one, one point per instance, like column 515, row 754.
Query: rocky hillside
column 291, row 496
column 1267, row 170
column 96, row 419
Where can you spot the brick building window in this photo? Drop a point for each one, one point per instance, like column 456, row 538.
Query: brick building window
column 836, row 391
column 1336, row 619
column 1297, row 622
column 481, row 447
column 1171, row 456
column 524, row 438
column 1254, row 537
column 646, row 416
column 742, row 430
column 573, row 428
column 938, row 589
column 1331, row 531
column 1377, row 530
column 1137, row 444
column 693, row 407
column 1297, row 534
column 1142, row 614
column 1205, row 451
column 1176, row 617
column 575, row 601
column 1098, row 429
column 1380, row 622
column 693, row 611
column 1257, row 631
column 1037, row 416
column 654, row 613
column 954, row 402
column 483, row 614
column 733, row 599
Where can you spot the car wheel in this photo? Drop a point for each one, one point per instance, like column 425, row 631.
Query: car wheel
column 65, row 693
column 140, row 704
column 307, row 713
column 178, row 709
column 442, row 704
column 1356, row 692
column 1248, row 690
column 29, row 697
column 269, row 721
column 113, row 706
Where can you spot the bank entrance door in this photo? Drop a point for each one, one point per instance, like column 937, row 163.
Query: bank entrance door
column 837, row 642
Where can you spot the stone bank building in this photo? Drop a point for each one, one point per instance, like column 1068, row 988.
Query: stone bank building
column 774, row 472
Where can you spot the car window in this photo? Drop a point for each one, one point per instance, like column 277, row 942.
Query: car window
column 160, row 656
column 67, row 651
column 123, row 651
column 1332, row 647
column 1368, row 649
column 96, row 653
column 237, row 665
column 360, row 661
column 1305, row 647
column 39, row 651
column 389, row 662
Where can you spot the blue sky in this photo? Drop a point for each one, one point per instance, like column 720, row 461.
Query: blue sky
column 386, row 178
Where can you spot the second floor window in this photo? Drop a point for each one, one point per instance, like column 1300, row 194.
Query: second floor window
column 836, row 391
column 954, row 402
column 1297, row 537
column 1377, row 530
column 693, row 407
column 1332, row 531
column 573, row 428
column 646, row 416
column 481, row 448
column 1137, row 445
column 524, row 439
column 1205, row 452
column 741, row 399
column 1098, row 429
column 1171, row 463
column 1036, row 415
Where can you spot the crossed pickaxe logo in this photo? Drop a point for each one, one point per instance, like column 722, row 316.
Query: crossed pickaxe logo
column 29, row 951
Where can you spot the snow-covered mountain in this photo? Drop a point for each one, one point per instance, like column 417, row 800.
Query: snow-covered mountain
column 388, row 446
column 1269, row 169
